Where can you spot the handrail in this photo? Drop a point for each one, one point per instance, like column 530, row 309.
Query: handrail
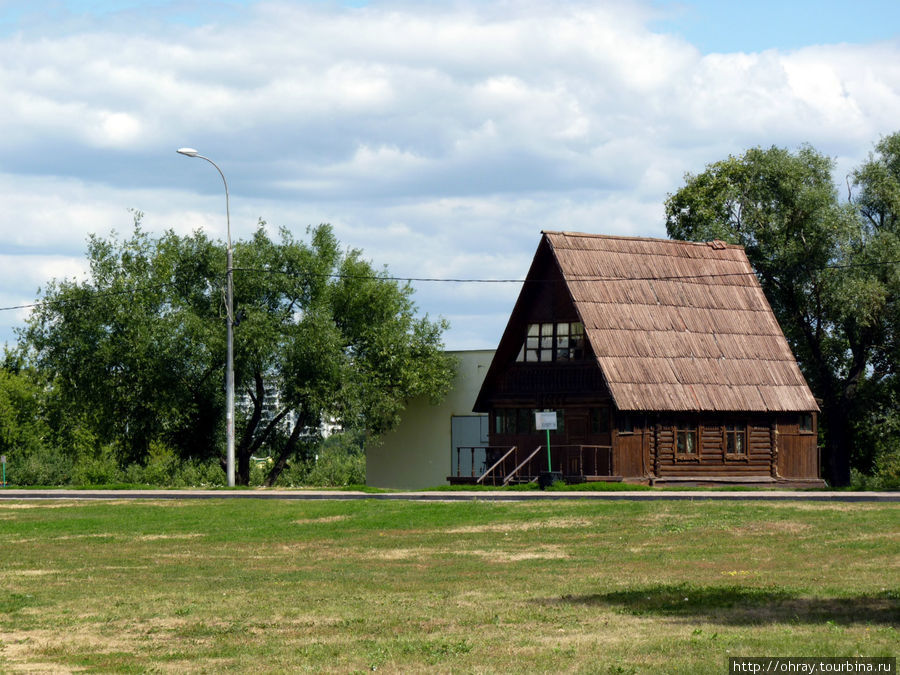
column 515, row 471
column 496, row 464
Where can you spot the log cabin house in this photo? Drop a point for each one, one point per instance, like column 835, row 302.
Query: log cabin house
column 663, row 361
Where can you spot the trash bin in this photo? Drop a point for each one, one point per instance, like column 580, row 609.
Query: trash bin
column 548, row 478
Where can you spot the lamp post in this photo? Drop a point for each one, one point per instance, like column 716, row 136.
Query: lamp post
column 229, row 322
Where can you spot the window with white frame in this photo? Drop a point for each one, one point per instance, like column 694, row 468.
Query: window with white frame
column 557, row 341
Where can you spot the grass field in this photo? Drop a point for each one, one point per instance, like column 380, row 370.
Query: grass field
column 286, row 586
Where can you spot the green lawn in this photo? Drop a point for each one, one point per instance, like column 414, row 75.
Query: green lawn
column 282, row 586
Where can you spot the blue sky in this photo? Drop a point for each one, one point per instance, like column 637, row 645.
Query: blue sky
column 439, row 137
column 757, row 25
column 710, row 25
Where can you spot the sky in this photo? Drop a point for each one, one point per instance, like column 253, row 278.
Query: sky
column 438, row 137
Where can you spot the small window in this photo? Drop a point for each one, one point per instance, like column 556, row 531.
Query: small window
column 599, row 420
column 626, row 424
column 513, row 420
column 546, row 342
column 524, row 420
column 686, row 442
column 736, row 440
column 806, row 423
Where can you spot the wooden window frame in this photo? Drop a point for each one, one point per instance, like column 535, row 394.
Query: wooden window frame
column 546, row 341
column 599, row 420
column 687, row 430
column 811, row 431
column 625, row 425
column 736, row 433
column 519, row 421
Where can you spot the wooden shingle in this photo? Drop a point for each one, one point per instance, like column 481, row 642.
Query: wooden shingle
column 679, row 326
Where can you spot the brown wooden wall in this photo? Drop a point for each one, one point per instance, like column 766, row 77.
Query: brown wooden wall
column 711, row 459
column 630, row 453
column 798, row 451
column 645, row 445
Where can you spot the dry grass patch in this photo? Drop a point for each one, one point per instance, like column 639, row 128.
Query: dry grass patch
column 778, row 527
column 398, row 553
column 323, row 519
column 820, row 506
column 27, row 573
column 163, row 537
column 527, row 526
column 19, row 506
column 501, row 556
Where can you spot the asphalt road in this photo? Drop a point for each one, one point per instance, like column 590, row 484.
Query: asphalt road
column 456, row 496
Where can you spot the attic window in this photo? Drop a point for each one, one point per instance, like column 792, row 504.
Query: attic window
column 560, row 341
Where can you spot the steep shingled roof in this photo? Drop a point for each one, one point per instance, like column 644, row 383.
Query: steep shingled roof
column 679, row 326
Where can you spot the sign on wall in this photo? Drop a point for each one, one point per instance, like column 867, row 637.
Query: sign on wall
column 545, row 421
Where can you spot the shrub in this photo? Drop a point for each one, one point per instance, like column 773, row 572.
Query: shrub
column 887, row 469
column 100, row 469
column 43, row 466
column 335, row 467
column 161, row 464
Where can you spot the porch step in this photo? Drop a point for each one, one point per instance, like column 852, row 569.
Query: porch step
column 469, row 480
column 462, row 480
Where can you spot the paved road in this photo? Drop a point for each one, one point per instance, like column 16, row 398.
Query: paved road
column 667, row 495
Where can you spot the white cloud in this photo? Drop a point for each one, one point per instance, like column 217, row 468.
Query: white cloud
column 440, row 138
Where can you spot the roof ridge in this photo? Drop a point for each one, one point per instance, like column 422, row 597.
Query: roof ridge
column 595, row 235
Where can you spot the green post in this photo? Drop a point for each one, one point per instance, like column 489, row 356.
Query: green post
column 549, row 466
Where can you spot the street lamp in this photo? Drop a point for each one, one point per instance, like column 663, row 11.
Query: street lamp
column 229, row 321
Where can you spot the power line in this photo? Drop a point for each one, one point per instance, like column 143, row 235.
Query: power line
column 376, row 277
column 93, row 296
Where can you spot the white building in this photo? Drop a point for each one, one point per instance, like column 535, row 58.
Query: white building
column 433, row 442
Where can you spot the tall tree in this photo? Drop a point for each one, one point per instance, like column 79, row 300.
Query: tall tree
column 136, row 351
column 23, row 425
column 132, row 351
column 325, row 337
column 809, row 251
column 877, row 201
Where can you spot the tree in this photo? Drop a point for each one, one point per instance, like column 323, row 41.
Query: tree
column 813, row 258
column 136, row 352
column 325, row 337
column 23, row 428
column 132, row 353
column 878, row 205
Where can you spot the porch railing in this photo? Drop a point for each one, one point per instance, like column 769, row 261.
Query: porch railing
column 514, row 463
column 525, row 462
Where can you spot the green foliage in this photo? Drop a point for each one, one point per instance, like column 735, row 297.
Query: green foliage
column 325, row 337
column 337, row 465
column 43, row 466
column 132, row 359
column 338, row 461
column 175, row 473
column 23, row 429
column 102, row 468
column 820, row 263
column 132, row 352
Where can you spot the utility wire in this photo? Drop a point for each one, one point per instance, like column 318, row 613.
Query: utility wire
column 93, row 295
column 375, row 277
column 576, row 277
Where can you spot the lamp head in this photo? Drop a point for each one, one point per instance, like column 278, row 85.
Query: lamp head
column 190, row 152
